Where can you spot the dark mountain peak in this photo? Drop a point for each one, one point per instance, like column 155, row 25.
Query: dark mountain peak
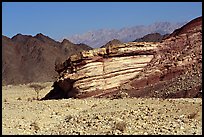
column 20, row 38
column 65, row 42
column 17, row 35
column 187, row 27
column 38, row 34
column 112, row 42
column 45, row 39
column 20, row 35
column 42, row 37
column 152, row 37
column 84, row 46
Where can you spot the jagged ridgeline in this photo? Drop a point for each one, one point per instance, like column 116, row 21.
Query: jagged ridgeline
column 28, row 58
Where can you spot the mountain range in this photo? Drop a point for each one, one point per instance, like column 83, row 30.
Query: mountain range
column 100, row 37
column 27, row 58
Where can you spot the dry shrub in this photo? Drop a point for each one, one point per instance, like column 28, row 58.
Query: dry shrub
column 192, row 115
column 35, row 126
column 121, row 126
column 30, row 100
column 68, row 118
column 94, row 105
column 37, row 88
column 19, row 98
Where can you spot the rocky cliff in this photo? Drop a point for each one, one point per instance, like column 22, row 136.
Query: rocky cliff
column 171, row 68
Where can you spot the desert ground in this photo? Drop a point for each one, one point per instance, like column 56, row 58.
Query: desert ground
column 23, row 114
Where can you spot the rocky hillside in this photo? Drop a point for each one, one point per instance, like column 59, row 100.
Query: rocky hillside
column 153, row 37
column 176, row 69
column 111, row 43
column 28, row 58
column 171, row 68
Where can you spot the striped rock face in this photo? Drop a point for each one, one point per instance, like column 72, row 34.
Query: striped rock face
column 176, row 69
column 95, row 72
column 169, row 69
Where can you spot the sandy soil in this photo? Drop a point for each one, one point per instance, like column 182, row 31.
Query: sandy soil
column 23, row 114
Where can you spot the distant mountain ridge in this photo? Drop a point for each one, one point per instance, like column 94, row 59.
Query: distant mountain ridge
column 100, row 37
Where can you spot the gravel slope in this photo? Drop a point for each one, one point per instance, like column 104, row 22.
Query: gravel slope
column 23, row 114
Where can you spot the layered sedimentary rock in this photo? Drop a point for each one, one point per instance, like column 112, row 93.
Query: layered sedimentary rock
column 94, row 72
column 176, row 69
column 169, row 69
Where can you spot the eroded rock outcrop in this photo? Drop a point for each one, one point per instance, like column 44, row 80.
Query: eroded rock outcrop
column 170, row 69
column 100, row 71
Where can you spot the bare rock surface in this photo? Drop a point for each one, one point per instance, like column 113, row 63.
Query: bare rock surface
column 22, row 114
column 176, row 69
column 94, row 72
column 171, row 68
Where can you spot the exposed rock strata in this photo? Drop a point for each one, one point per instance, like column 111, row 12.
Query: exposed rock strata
column 95, row 71
column 176, row 69
column 170, row 69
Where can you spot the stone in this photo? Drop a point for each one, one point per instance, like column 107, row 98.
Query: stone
column 95, row 72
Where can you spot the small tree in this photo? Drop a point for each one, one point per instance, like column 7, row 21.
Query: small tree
column 37, row 89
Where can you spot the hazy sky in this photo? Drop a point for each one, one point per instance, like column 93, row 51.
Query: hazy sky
column 62, row 19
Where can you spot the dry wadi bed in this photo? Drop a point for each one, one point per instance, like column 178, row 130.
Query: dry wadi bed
column 23, row 114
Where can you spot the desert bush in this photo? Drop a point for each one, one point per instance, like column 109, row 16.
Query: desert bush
column 35, row 126
column 68, row 118
column 19, row 98
column 120, row 126
column 29, row 99
column 37, row 88
column 192, row 115
column 94, row 105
